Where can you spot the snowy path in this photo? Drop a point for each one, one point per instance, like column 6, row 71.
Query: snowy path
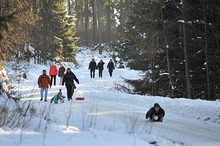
column 189, row 132
column 107, row 109
column 176, row 129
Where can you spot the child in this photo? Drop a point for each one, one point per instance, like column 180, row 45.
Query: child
column 57, row 97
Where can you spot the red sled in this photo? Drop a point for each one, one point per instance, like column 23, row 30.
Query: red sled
column 79, row 98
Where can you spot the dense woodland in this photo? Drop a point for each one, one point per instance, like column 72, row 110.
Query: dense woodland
column 175, row 43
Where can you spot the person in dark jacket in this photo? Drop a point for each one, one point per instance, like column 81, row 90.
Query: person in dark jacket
column 92, row 67
column 110, row 67
column 68, row 79
column 156, row 113
column 61, row 73
column 100, row 68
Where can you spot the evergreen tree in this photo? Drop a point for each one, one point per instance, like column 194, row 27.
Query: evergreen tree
column 56, row 34
column 65, row 39
column 155, row 44
column 4, row 20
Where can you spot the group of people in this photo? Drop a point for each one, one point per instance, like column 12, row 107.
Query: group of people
column 156, row 113
column 67, row 77
column 100, row 66
column 46, row 81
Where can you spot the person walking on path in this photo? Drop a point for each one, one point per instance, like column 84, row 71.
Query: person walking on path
column 110, row 67
column 61, row 73
column 100, row 68
column 44, row 84
column 53, row 73
column 92, row 67
column 68, row 79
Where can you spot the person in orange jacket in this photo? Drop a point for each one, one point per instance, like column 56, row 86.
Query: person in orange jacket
column 44, row 84
column 53, row 73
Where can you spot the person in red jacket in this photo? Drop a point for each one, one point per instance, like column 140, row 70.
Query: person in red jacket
column 53, row 73
column 44, row 83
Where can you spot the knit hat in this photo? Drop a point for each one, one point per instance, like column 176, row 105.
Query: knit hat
column 156, row 105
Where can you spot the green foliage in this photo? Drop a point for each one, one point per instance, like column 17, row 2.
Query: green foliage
column 57, row 38
column 4, row 20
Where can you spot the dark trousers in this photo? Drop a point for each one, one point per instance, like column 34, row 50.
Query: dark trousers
column 92, row 73
column 70, row 92
column 53, row 77
column 110, row 73
column 100, row 73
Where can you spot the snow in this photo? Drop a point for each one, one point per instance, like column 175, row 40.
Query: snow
column 108, row 117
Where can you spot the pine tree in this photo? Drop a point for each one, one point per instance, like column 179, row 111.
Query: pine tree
column 156, row 39
column 56, row 34
column 4, row 20
column 65, row 38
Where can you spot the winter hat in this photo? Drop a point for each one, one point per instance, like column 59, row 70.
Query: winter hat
column 68, row 68
column 156, row 105
column 60, row 92
column 44, row 70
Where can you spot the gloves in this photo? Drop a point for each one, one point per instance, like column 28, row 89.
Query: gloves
column 156, row 117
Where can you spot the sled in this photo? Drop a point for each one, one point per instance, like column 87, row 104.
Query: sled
column 79, row 98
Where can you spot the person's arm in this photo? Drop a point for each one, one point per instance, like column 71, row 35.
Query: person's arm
column 39, row 82
column 75, row 78
column 64, row 80
column 49, row 81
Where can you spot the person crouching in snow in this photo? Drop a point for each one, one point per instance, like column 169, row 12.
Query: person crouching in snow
column 156, row 113
column 57, row 97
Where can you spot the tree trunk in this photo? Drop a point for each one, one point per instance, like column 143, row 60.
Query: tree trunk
column 93, row 3
column 86, row 22
column 99, row 27
column 167, row 53
column 188, row 91
column 108, row 15
column 206, row 54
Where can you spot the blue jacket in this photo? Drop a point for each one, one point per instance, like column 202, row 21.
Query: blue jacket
column 55, row 98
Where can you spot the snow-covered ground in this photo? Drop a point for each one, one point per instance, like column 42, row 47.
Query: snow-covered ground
column 108, row 117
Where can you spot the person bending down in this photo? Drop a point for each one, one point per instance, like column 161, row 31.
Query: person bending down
column 156, row 113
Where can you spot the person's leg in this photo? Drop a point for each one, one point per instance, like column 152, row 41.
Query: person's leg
column 61, row 80
column 55, row 79
column 101, row 73
column 41, row 93
column 51, row 80
column 46, row 92
column 91, row 73
column 72, row 91
column 69, row 92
